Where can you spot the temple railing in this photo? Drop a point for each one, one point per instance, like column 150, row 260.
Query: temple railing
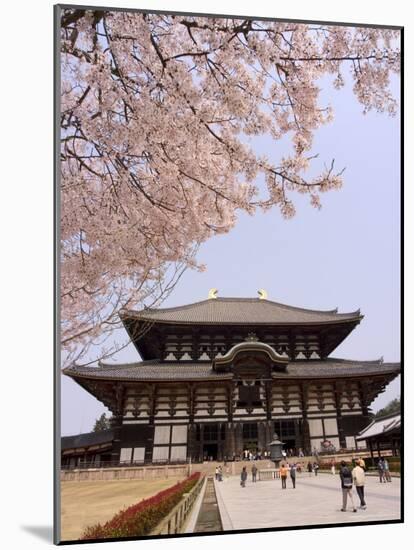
column 176, row 521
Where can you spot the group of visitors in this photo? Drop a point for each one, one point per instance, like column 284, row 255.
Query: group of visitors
column 243, row 475
column 384, row 470
column 348, row 479
column 313, row 468
column 286, row 469
column 256, row 455
column 219, row 473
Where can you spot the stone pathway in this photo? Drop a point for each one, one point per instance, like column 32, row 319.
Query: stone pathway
column 316, row 500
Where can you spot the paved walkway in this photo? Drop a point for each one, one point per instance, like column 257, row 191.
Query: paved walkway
column 316, row 500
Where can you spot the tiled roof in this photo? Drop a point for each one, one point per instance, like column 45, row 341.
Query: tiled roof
column 239, row 311
column 86, row 440
column 381, row 426
column 157, row 371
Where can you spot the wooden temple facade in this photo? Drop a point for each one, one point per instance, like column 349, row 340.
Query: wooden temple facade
column 227, row 374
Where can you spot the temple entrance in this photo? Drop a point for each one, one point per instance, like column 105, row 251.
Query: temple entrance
column 289, row 432
column 210, row 451
column 250, row 437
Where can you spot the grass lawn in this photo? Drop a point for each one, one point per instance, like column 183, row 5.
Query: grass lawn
column 85, row 503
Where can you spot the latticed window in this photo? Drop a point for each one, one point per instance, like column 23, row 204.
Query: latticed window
column 211, row 432
column 250, row 430
column 285, row 428
column 249, row 396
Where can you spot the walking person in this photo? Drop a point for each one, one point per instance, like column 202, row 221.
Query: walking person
column 381, row 470
column 358, row 476
column 293, row 474
column 254, row 473
column 387, row 475
column 333, row 467
column 283, row 475
column 217, row 473
column 315, row 468
column 346, row 485
column 243, row 477
column 310, row 469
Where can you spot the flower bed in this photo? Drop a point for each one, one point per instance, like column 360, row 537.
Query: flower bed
column 141, row 518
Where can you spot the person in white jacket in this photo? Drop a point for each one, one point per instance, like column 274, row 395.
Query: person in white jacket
column 358, row 475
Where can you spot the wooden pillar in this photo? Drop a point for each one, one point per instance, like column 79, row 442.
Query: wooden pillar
column 371, row 449
column 306, row 442
column 201, row 450
column 116, row 422
column 116, row 425
column 152, row 396
column 337, row 393
column 220, row 444
column 261, row 433
column 268, row 392
column 238, row 443
column 269, row 433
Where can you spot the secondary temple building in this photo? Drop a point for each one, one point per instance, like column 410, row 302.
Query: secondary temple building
column 224, row 375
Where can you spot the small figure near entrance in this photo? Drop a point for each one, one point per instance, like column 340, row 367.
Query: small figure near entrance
column 315, row 468
column 293, row 474
column 333, row 467
column 283, row 474
column 243, row 477
column 310, row 468
column 254, row 473
column 216, row 474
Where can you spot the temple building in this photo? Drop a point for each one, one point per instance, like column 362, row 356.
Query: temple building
column 224, row 375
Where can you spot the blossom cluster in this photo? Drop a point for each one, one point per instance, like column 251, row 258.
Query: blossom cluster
column 157, row 112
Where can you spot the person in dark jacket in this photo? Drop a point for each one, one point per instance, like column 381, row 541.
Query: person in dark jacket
column 243, row 477
column 293, row 474
column 254, row 473
column 381, row 470
column 345, row 475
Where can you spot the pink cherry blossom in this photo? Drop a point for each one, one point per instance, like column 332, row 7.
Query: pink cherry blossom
column 156, row 115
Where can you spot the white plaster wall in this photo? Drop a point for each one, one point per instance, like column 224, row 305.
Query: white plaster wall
column 179, row 434
column 331, row 427
column 126, row 454
column 160, row 453
column 161, row 434
column 315, row 427
column 139, row 454
column 179, row 453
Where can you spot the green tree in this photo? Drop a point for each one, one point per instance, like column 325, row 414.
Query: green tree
column 101, row 423
column 393, row 406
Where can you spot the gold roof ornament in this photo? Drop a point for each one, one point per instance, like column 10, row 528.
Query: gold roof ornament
column 262, row 294
column 212, row 294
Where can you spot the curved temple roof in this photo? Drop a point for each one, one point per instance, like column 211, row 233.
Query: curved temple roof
column 240, row 311
column 155, row 370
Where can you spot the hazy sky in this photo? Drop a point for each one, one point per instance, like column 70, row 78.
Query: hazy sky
column 346, row 255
